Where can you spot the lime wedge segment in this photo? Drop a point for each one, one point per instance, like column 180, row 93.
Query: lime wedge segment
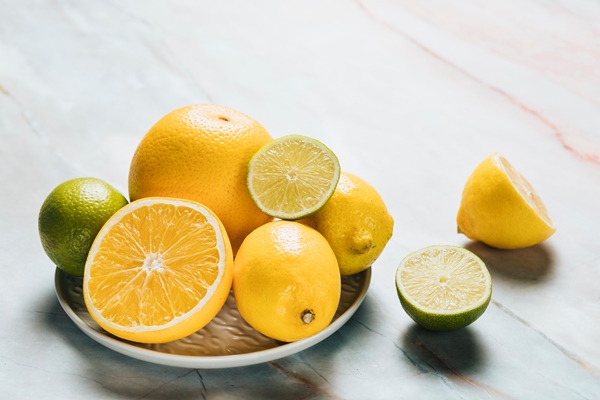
column 292, row 177
column 443, row 287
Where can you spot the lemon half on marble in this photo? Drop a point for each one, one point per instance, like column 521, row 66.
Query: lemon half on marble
column 501, row 208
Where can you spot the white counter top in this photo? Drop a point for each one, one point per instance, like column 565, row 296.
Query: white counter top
column 410, row 95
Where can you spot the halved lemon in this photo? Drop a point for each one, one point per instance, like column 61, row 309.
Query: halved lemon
column 443, row 288
column 159, row 270
column 500, row 207
column 292, row 177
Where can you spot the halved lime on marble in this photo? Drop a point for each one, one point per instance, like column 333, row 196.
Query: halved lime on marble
column 292, row 177
column 443, row 288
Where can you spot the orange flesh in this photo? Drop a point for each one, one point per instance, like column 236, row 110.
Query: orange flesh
column 156, row 265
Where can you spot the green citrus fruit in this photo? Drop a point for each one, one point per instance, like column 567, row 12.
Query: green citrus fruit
column 292, row 177
column 71, row 217
column 443, row 288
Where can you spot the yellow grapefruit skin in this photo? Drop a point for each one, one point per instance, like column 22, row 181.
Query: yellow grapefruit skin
column 201, row 153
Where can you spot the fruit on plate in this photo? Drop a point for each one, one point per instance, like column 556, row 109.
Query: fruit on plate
column 159, row 270
column 500, row 207
column 443, row 288
column 286, row 282
column 292, row 177
column 355, row 222
column 71, row 217
column 201, row 153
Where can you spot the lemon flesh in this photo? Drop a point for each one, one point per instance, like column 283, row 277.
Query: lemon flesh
column 501, row 208
column 292, row 177
column 443, row 288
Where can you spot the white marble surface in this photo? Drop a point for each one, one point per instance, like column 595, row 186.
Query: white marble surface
column 411, row 95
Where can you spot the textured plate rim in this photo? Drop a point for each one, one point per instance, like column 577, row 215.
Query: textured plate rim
column 210, row 362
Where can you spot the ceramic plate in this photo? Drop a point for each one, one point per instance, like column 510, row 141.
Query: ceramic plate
column 227, row 341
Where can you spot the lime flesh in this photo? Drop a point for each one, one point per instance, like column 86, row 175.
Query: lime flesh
column 292, row 177
column 443, row 288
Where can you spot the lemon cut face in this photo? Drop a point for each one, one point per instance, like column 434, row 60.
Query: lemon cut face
column 501, row 208
column 292, row 177
column 522, row 185
column 443, row 288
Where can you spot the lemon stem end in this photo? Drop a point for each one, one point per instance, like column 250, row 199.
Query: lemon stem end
column 307, row 316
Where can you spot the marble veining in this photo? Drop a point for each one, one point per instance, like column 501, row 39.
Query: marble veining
column 409, row 95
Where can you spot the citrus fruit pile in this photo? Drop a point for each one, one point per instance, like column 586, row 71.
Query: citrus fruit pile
column 216, row 203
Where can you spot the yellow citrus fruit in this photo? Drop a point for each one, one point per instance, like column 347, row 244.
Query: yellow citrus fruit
column 201, row 153
column 292, row 177
column 71, row 217
column 159, row 270
column 286, row 282
column 355, row 222
column 500, row 207
column 443, row 288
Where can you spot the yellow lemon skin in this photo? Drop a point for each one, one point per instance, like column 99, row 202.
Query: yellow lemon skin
column 500, row 207
column 286, row 281
column 355, row 222
column 201, row 153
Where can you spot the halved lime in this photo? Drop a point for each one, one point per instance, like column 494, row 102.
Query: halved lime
column 443, row 288
column 292, row 177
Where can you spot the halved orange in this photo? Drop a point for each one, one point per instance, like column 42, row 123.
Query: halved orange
column 159, row 270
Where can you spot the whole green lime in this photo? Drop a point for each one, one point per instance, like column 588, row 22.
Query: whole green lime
column 71, row 217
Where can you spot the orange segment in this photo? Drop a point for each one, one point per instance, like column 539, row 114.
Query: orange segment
column 159, row 270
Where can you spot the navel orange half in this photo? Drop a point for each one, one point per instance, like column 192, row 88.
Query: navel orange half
column 159, row 270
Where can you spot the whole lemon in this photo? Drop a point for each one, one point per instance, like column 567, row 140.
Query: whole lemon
column 286, row 281
column 71, row 217
column 201, row 153
column 500, row 207
column 355, row 222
